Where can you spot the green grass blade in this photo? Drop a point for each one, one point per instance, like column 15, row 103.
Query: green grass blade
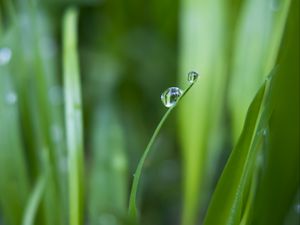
column 34, row 200
column 14, row 178
column 73, row 116
column 280, row 179
column 108, row 186
column 202, row 48
column 132, row 209
column 257, row 41
column 226, row 205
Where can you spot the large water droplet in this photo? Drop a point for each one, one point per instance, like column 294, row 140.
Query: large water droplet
column 5, row 56
column 170, row 96
column 192, row 76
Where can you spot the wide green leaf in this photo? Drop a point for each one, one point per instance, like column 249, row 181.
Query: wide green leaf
column 226, row 206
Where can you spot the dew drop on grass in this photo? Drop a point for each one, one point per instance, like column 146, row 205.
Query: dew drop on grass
column 170, row 96
column 192, row 77
column 5, row 55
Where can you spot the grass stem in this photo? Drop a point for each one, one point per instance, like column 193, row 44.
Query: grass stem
column 132, row 210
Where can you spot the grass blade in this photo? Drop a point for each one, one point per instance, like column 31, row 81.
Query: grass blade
column 132, row 209
column 34, row 200
column 227, row 198
column 202, row 48
column 73, row 116
column 280, row 182
column 14, row 177
column 108, row 185
column 258, row 38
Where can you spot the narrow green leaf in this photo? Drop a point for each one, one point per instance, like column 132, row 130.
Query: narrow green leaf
column 34, row 200
column 132, row 209
column 108, row 185
column 73, row 116
column 14, row 179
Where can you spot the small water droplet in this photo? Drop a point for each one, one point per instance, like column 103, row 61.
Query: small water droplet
column 192, row 77
column 11, row 98
column 5, row 55
column 263, row 132
column 170, row 96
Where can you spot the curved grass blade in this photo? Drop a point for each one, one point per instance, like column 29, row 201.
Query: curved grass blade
column 132, row 209
column 280, row 178
column 73, row 113
column 34, row 200
column 227, row 202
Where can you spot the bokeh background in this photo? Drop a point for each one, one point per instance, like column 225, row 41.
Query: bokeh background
column 118, row 57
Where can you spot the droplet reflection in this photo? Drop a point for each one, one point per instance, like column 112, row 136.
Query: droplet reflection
column 170, row 96
column 192, row 77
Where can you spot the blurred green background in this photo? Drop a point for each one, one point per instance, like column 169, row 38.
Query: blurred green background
column 80, row 86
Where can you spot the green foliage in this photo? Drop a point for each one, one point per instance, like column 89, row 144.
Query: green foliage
column 132, row 209
column 73, row 115
column 232, row 186
column 80, row 82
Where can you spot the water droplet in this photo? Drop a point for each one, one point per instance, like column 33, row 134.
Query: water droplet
column 192, row 77
column 170, row 96
column 5, row 56
column 263, row 132
column 11, row 98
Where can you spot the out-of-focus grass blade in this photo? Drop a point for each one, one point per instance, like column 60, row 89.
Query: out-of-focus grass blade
column 34, row 80
column 34, row 201
column 108, row 189
column 202, row 49
column 14, row 181
column 280, row 178
column 73, row 116
column 226, row 205
column 258, row 37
